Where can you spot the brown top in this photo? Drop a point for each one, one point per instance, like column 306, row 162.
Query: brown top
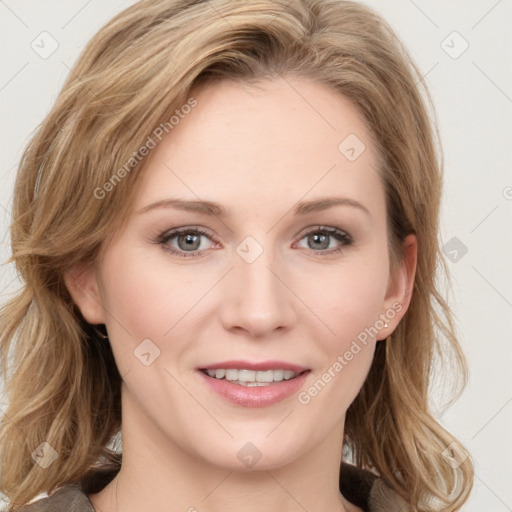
column 360, row 487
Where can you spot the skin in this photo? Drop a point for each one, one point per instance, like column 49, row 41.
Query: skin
column 257, row 151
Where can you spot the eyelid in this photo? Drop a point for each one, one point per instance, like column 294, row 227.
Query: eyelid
column 184, row 229
column 321, row 227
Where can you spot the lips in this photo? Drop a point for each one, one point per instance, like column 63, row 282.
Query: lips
column 248, row 365
column 253, row 384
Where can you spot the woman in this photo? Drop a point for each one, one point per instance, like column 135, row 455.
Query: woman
column 227, row 231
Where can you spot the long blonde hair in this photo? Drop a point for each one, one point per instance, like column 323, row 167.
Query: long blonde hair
column 61, row 381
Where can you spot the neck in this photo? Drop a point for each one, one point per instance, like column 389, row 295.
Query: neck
column 157, row 473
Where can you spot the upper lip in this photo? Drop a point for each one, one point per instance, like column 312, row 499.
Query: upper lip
column 256, row 366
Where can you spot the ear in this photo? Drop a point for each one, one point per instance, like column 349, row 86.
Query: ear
column 400, row 287
column 82, row 284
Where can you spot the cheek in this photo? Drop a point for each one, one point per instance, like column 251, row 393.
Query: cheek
column 142, row 300
column 352, row 303
column 349, row 303
column 350, row 298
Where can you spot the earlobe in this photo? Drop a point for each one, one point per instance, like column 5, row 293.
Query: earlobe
column 82, row 284
column 399, row 293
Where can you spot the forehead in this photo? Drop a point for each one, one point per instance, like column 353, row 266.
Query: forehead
column 282, row 139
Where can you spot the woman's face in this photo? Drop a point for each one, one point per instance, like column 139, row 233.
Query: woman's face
column 286, row 276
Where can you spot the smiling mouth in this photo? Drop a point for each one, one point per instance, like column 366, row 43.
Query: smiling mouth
column 252, row 378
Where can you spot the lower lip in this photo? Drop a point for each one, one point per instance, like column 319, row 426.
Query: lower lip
column 257, row 396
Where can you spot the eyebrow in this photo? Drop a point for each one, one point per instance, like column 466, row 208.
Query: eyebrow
column 217, row 210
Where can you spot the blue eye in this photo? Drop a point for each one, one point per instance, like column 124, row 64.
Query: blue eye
column 188, row 241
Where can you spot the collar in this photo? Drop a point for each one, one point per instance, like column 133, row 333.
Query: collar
column 368, row 491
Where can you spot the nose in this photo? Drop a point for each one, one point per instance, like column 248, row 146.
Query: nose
column 257, row 298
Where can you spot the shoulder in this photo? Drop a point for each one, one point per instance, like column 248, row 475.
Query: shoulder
column 384, row 499
column 72, row 497
column 369, row 492
column 68, row 498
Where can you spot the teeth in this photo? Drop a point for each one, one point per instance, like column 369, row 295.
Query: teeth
column 251, row 378
column 231, row 374
column 278, row 375
column 262, row 376
column 246, row 375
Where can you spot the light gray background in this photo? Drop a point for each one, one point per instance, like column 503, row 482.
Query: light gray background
column 473, row 96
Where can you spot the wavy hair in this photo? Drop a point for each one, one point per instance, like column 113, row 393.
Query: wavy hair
column 61, row 381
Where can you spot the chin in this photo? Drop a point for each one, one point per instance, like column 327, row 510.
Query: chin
column 259, row 454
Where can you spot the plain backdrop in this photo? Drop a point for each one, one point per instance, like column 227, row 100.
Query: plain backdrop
column 463, row 49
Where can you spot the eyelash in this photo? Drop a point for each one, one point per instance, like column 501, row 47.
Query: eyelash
column 343, row 237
